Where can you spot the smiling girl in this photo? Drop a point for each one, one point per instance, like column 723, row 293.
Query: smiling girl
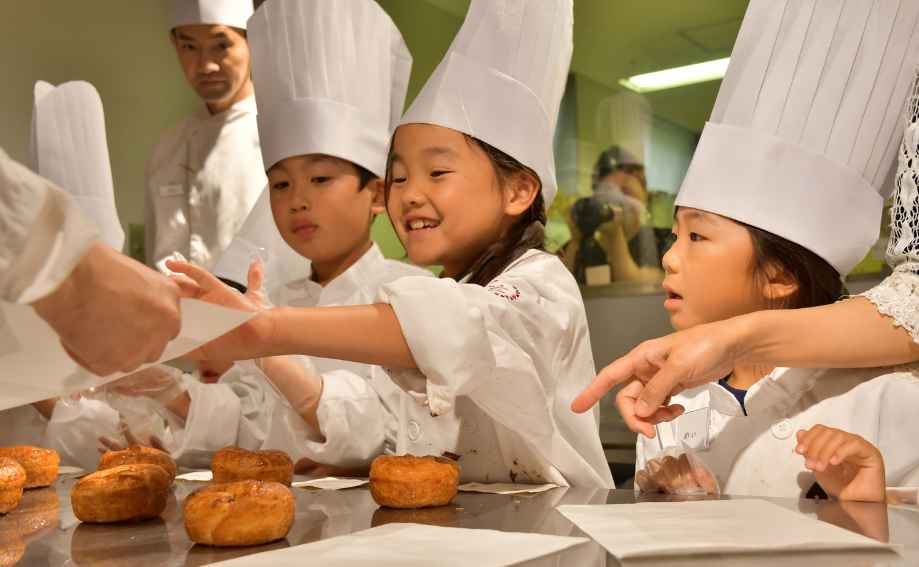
column 490, row 355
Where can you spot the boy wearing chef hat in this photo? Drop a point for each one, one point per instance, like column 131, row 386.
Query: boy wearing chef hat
column 330, row 79
column 783, row 196
column 205, row 173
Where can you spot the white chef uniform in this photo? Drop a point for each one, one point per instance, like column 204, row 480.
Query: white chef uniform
column 754, row 454
column 801, row 139
column 499, row 365
column 205, row 173
column 203, row 176
column 307, row 106
column 358, row 404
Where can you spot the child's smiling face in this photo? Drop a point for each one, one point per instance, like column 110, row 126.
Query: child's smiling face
column 446, row 200
column 319, row 207
column 709, row 276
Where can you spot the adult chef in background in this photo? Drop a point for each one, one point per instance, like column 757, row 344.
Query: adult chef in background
column 205, row 173
column 52, row 258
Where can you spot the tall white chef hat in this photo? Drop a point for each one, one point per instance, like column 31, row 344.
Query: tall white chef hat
column 502, row 80
column 330, row 78
column 68, row 147
column 807, row 123
column 232, row 13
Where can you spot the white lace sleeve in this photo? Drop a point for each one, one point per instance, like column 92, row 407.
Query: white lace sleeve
column 898, row 295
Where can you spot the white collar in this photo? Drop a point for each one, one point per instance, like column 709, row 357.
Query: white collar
column 782, row 386
column 241, row 108
column 349, row 281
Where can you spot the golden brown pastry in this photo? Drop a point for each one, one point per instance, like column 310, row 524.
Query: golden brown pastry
column 40, row 464
column 248, row 512
column 233, row 464
column 136, row 455
column 12, row 480
column 443, row 516
column 413, row 482
column 12, row 546
column 121, row 494
column 38, row 509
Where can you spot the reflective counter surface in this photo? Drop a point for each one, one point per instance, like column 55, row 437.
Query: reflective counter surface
column 43, row 531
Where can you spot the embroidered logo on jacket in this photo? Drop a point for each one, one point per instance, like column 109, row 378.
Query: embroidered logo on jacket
column 503, row 290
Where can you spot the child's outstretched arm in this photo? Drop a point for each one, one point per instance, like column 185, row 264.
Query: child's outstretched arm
column 370, row 334
column 847, row 466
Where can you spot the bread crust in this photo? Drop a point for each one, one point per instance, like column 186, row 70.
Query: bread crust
column 136, row 455
column 248, row 512
column 413, row 482
column 233, row 464
column 40, row 464
column 121, row 494
column 12, row 481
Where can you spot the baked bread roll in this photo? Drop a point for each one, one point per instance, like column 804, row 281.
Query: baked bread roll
column 40, row 464
column 12, row 480
column 121, row 494
column 248, row 512
column 233, row 464
column 136, row 455
column 413, row 482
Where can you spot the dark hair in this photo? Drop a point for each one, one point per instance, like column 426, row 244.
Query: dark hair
column 818, row 282
column 529, row 233
column 364, row 175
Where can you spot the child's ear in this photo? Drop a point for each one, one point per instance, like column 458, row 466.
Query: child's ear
column 522, row 191
column 779, row 285
column 378, row 188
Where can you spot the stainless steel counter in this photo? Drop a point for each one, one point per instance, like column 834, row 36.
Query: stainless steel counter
column 53, row 537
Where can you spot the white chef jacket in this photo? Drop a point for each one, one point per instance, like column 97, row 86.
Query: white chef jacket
column 203, row 177
column 498, row 369
column 353, row 409
column 43, row 234
column 754, row 454
column 72, row 431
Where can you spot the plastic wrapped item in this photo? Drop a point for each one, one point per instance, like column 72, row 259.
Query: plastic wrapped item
column 258, row 280
column 677, row 470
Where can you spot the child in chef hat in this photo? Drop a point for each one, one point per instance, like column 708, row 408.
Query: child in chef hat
column 323, row 136
column 489, row 356
column 784, row 195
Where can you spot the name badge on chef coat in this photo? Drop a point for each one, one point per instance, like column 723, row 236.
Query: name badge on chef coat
column 172, row 190
column 692, row 428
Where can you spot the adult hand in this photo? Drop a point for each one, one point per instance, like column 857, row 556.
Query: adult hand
column 661, row 368
column 249, row 340
column 132, row 439
column 113, row 313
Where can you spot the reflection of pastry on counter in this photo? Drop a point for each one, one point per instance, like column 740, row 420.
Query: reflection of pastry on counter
column 233, row 464
column 413, row 482
column 141, row 544
column 40, row 464
column 11, row 544
column 137, row 455
column 205, row 554
column 443, row 516
column 122, row 493
column 249, row 512
column 12, row 481
column 37, row 510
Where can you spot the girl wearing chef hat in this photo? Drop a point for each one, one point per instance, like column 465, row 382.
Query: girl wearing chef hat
column 489, row 356
column 783, row 195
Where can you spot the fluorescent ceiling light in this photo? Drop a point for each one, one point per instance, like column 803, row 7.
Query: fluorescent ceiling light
column 689, row 75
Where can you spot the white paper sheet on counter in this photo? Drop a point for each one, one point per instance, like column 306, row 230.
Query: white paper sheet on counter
column 196, row 476
column 506, row 488
column 414, row 545
column 34, row 366
column 331, row 483
column 660, row 529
